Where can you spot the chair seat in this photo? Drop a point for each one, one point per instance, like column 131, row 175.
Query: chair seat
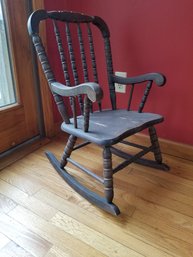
column 110, row 126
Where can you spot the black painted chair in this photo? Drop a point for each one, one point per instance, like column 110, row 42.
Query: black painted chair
column 105, row 127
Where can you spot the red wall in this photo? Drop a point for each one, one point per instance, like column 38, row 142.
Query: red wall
column 148, row 36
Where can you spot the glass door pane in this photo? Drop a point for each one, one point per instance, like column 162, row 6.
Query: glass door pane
column 7, row 89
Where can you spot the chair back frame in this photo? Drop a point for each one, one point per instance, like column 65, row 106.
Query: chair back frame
column 78, row 19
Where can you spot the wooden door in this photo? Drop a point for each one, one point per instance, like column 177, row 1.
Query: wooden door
column 18, row 119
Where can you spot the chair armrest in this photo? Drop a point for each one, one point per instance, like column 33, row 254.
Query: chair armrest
column 158, row 78
column 149, row 78
column 91, row 89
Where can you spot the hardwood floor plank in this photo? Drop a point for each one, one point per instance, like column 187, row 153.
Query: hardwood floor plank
column 56, row 252
column 22, row 236
column 53, row 181
column 91, row 237
column 180, row 167
column 19, row 182
column 153, row 184
column 19, row 197
column 170, row 217
column 41, row 173
column 156, row 212
column 38, row 207
column 110, row 226
column 3, row 240
column 161, row 238
column 6, row 204
column 170, row 229
column 77, row 200
column 51, row 233
column 151, row 191
column 14, row 250
column 166, row 178
column 162, row 226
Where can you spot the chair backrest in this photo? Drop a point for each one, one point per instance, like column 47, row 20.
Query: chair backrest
column 74, row 65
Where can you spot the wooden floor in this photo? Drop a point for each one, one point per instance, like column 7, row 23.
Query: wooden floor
column 42, row 216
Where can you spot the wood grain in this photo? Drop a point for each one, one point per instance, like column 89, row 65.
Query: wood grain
column 92, row 237
column 121, row 232
column 33, row 243
column 12, row 196
column 3, row 240
column 12, row 249
column 23, row 184
column 57, row 252
column 51, row 233
column 6, row 204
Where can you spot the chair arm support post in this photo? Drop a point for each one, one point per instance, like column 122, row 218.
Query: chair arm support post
column 91, row 89
column 145, row 95
column 86, row 113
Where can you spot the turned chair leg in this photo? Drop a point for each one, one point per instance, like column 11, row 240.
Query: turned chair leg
column 155, row 143
column 67, row 150
column 108, row 174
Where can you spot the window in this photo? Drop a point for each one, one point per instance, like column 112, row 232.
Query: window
column 7, row 90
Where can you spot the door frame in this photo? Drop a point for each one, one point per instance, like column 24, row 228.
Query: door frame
column 50, row 127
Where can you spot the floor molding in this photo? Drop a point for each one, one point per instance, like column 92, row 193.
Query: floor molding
column 21, row 151
column 168, row 147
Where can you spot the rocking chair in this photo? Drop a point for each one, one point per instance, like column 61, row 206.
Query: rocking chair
column 105, row 127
